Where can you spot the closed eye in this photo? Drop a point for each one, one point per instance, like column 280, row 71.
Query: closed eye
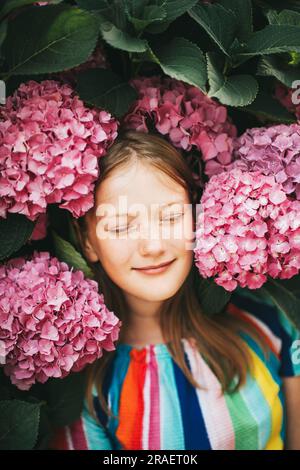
column 173, row 216
column 124, row 228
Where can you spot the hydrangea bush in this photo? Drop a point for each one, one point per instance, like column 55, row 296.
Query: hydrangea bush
column 248, row 229
column 273, row 150
column 52, row 320
column 50, row 143
column 186, row 116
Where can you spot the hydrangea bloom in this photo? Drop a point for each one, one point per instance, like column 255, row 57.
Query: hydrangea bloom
column 273, row 150
column 248, row 228
column 186, row 116
column 50, row 143
column 52, row 320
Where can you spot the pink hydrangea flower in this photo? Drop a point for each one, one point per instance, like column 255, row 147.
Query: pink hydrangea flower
column 53, row 321
column 248, row 229
column 186, row 116
column 273, row 150
column 50, row 143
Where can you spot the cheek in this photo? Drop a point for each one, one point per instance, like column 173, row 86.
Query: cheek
column 115, row 256
column 183, row 237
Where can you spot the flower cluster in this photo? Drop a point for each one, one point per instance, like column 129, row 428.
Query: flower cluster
column 188, row 117
column 273, row 150
column 50, row 143
column 52, row 320
column 248, row 228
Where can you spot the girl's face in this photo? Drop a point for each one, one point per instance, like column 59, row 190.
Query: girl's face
column 142, row 218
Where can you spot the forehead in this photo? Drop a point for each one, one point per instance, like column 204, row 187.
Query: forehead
column 139, row 183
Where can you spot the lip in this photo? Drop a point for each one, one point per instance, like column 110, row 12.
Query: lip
column 155, row 270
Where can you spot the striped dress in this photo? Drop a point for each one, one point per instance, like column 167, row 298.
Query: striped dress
column 156, row 407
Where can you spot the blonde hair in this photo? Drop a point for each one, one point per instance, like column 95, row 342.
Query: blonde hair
column 216, row 337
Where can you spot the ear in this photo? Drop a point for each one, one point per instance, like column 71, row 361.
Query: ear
column 85, row 244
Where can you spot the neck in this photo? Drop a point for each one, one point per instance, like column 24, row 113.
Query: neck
column 142, row 325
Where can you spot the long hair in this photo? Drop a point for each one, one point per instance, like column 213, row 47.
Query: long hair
column 216, row 337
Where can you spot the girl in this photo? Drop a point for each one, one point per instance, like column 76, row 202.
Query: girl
column 178, row 379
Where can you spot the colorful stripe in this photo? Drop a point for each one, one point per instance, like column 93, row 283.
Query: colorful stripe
column 154, row 424
column 129, row 431
column 156, row 406
column 171, row 423
column 212, row 402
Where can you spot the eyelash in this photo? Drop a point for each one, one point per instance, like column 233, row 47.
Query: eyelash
column 174, row 218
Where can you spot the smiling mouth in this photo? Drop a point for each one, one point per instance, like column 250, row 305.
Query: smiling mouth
column 155, row 269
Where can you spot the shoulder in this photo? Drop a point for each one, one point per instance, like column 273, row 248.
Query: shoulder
column 273, row 325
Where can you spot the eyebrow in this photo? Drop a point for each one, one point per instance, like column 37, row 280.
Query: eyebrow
column 133, row 216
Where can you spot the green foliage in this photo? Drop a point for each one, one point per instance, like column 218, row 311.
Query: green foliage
column 218, row 22
column 65, row 251
column 212, row 297
column 61, row 37
column 138, row 34
column 286, row 295
column 184, row 61
column 103, row 88
column 10, row 5
column 236, row 90
column 15, row 230
column 64, row 398
column 18, row 425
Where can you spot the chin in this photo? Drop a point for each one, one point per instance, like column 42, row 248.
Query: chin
column 161, row 293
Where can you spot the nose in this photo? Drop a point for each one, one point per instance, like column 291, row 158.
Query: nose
column 151, row 243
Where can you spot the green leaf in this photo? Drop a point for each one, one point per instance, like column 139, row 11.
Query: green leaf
column 219, row 23
column 49, row 39
column 176, row 8
column 120, row 39
column 242, row 10
column 18, row 425
column 284, row 17
column 112, row 11
column 103, row 88
column 273, row 39
column 183, row 60
column 11, row 5
column 3, row 32
column 286, row 297
column 268, row 108
column 294, row 58
column 64, row 398
column 158, row 28
column 67, row 253
column 15, row 230
column 94, row 4
column 271, row 66
column 235, row 90
column 212, row 297
column 141, row 14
